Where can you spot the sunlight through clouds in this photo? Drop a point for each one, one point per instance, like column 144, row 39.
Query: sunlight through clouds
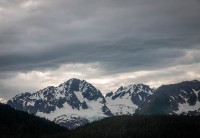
column 2, row 100
column 29, row 3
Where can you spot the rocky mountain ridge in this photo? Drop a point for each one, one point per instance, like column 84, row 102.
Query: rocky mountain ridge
column 76, row 102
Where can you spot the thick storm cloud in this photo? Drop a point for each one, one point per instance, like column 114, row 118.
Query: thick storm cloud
column 45, row 42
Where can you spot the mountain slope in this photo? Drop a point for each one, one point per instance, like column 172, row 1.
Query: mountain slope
column 14, row 123
column 73, row 97
column 71, row 122
column 180, row 98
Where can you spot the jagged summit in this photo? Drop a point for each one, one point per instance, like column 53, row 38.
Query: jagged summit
column 135, row 88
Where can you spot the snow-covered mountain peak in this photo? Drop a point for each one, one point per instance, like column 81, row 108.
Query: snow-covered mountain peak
column 75, row 85
column 132, row 89
column 127, row 99
column 71, row 97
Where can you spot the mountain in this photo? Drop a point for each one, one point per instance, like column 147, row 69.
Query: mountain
column 14, row 123
column 174, row 99
column 126, row 100
column 76, row 102
column 73, row 97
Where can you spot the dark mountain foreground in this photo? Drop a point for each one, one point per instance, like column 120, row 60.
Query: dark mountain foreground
column 17, row 124
column 138, row 127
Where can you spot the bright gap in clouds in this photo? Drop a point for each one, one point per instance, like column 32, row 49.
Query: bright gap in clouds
column 29, row 3
column 2, row 100
column 36, row 80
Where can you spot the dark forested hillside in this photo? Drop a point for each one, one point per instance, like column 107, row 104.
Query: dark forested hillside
column 139, row 127
column 15, row 123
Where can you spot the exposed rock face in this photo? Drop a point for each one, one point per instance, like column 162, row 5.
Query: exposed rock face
column 181, row 98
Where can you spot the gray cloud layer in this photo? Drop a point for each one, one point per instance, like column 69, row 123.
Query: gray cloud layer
column 119, row 36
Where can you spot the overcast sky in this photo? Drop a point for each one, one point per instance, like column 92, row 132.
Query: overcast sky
column 108, row 43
